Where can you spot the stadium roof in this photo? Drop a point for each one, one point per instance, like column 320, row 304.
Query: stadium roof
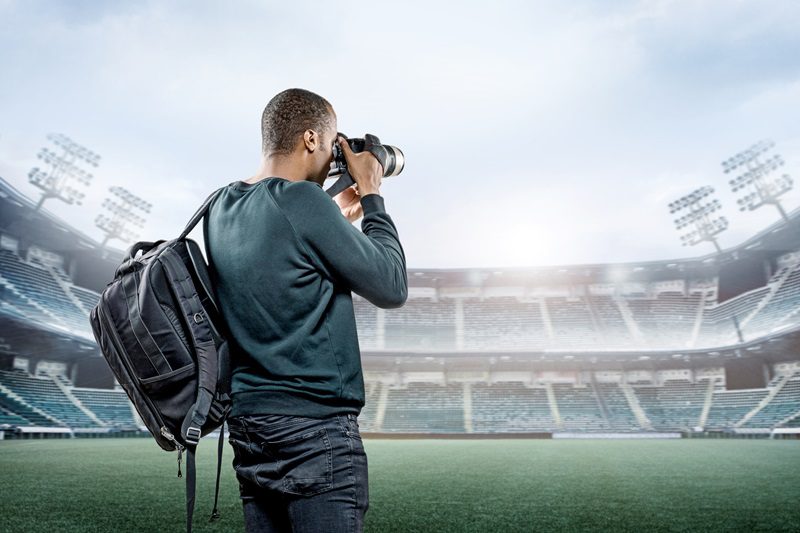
column 19, row 216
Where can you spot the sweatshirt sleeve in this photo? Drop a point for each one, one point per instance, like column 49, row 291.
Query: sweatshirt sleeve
column 372, row 264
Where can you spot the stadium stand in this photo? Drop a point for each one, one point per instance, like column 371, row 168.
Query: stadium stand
column 637, row 321
column 87, row 298
column 573, row 327
column 499, row 323
column 17, row 413
column 674, row 406
column 730, row 406
column 38, row 294
column 793, row 422
column 421, row 324
column 571, row 316
column 579, row 408
column 44, row 394
column 421, row 407
column 112, row 407
column 425, row 408
column 619, row 413
column 667, row 320
column 780, row 304
column 510, row 407
column 367, row 324
column 783, row 405
column 7, row 417
column 367, row 417
column 609, row 318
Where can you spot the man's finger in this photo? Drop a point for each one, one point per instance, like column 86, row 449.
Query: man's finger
column 344, row 144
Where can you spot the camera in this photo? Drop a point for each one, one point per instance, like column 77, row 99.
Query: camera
column 390, row 158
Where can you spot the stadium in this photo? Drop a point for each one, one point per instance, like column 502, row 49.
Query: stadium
column 660, row 348
column 566, row 360
column 645, row 353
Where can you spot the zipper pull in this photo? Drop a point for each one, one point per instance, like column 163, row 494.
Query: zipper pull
column 180, row 454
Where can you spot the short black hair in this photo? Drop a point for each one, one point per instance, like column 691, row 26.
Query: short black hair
column 288, row 115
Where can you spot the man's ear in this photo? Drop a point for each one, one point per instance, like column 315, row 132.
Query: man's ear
column 311, row 140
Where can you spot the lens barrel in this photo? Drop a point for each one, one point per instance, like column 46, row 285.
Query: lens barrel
column 395, row 161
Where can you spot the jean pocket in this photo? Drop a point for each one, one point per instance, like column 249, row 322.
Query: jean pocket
column 305, row 462
column 245, row 464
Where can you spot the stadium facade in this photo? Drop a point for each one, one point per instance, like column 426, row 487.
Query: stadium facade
column 707, row 344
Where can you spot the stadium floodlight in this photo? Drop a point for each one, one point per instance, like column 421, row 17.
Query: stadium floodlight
column 763, row 190
column 63, row 168
column 122, row 215
column 698, row 217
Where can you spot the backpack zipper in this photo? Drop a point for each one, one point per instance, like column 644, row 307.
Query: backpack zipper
column 169, row 436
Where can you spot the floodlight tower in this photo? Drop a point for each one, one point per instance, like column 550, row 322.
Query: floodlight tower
column 764, row 190
column 704, row 228
column 55, row 182
column 122, row 214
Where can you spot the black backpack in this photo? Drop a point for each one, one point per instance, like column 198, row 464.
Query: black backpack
column 159, row 328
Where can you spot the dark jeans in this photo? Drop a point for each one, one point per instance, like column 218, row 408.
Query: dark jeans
column 299, row 474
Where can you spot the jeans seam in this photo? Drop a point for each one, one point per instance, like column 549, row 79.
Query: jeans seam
column 342, row 426
column 349, row 437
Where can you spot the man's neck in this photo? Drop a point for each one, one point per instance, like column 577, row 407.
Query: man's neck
column 279, row 167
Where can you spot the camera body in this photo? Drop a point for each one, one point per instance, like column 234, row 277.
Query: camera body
column 391, row 158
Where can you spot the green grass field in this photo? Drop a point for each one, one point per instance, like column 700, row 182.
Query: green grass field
column 86, row 485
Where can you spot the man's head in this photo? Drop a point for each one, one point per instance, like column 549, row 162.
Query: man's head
column 299, row 123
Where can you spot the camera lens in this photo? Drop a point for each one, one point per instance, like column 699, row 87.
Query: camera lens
column 395, row 161
column 391, row 157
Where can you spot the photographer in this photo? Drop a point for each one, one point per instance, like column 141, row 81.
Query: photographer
column 284, row 258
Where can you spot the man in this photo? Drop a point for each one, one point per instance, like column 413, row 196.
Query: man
column 284, row 258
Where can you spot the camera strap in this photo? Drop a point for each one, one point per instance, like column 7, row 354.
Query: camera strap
column 344, row 181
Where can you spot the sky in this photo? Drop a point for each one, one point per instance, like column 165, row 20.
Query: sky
column 535, row 133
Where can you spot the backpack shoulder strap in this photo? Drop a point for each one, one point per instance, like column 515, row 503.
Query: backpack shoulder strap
column 202, row 339
column 200, row 213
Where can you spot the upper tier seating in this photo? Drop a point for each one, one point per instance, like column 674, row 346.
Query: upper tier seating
column 502, row 323
column 31, row 284
column 420, row 324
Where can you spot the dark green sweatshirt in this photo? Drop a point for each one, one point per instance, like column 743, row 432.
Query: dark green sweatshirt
column 284, row 261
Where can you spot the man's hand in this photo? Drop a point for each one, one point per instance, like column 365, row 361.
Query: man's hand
column 365, row 168
column 349, row 202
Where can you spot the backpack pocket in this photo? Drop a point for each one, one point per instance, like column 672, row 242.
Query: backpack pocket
column 172, row 393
